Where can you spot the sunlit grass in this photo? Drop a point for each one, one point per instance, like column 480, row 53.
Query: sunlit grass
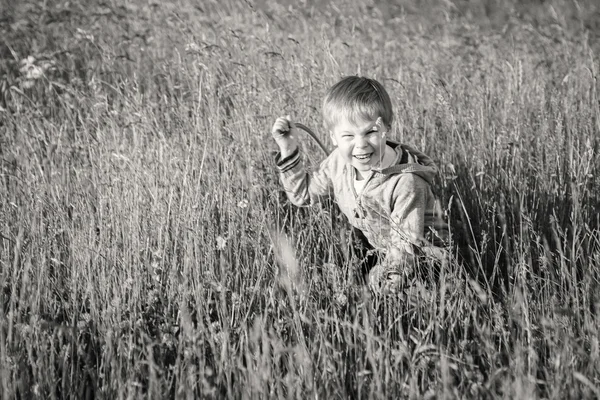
column 147, row 249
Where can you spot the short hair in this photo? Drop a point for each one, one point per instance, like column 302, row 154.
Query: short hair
column 356, row 98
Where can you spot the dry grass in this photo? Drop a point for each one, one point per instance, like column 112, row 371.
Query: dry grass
column 147, row 250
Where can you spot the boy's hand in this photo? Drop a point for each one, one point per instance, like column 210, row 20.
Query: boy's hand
column 394, row 274
column 284, row 132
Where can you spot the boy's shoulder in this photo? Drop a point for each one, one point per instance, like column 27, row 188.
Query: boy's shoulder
column 411, row 161
column 408, row 154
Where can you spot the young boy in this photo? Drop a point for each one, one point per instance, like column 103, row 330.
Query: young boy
column 383, row 187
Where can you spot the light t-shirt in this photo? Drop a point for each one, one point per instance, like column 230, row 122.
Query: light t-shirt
column 360, row 185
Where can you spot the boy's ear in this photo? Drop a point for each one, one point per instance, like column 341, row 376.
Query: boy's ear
column 332, row 138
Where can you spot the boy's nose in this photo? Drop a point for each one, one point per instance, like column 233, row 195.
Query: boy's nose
column 361, row 142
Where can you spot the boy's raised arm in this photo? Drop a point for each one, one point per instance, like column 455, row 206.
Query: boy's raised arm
column 301, row 187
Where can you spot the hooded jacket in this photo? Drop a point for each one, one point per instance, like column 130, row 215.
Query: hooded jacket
column 396, row 210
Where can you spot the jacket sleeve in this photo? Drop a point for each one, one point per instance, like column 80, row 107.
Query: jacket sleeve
column 303, row 188
column 407, row 219
column 407, row 223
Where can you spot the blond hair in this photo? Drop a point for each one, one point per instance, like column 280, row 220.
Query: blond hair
column 357, row 98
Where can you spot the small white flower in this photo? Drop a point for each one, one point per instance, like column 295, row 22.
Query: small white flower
column 76, row 81
column 236, row 299
column 30, row 71
column 341, row 299
column 156, row 271
column 83, row 34
column 243, row 203
column 35, row 73
column 221, row 243
column 192, row 48
column 26, row 63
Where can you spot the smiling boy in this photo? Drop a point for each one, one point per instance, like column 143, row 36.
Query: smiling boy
column 383, row 187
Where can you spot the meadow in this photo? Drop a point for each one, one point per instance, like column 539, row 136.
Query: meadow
column 147, row 249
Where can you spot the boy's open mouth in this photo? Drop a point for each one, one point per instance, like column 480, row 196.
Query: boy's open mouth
column 363, row 157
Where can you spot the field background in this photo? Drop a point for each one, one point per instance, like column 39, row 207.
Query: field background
column 147, row 250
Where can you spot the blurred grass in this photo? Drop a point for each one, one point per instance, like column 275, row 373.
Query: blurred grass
column 132, row 153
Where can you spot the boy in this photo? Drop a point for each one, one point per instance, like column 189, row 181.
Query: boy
column 383, row 187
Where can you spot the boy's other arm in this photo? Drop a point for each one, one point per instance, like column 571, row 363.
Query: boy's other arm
column 301, row 187
column 407, row 224
column 407, row 218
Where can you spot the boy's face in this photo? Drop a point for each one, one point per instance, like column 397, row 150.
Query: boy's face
column 361, row 144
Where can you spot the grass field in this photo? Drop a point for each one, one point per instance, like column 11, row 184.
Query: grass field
column 147, row 249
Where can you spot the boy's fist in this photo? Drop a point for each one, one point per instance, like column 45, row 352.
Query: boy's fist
column 281, row 127
column 284, row 132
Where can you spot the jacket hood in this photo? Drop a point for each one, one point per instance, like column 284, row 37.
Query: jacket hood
column 410, row 161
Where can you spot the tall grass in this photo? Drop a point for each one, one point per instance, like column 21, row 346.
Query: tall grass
column 147, row 249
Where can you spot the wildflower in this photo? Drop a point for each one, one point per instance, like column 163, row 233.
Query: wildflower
column 76, row 81
column 29, row 69
column 27, row 63
column 83, row 34
column 221, row 243
column 31, row 72
column 192, row 48
column 35, row 73
column 156, row 271
column 236, row 299
column 167, row 339
column 442, row 101
column 243, row 203
column 341, row 299
column 129, row 283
